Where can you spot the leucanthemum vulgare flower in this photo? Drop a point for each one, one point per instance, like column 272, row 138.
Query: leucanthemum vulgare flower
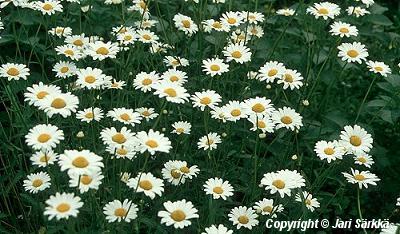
column 243, row 217
column 125, row 151
column 329, row 150
column 379, row 67
column 175, row 76
column 218, row 188
column 254, row 31
column 43, row 158
column 367, row 3
column 115, row 84
column 207, row 98
column 141, row 6
column 252, row 17
column 60, row 31
column 363, row 159
column 185, row 24
column 267, row 207
column 237, row 52
column 218, row 113
column 291, row 79
column 209, row 141
column 48, row 7
column 35, row 94
column 270, row 71
column 175, row 61
column 146, row 36
column 343, row 29
column 353, row 52
column 37, row 182
column 145, row 23
column 153, row 142
column 147, row 113
column 172, row 92
column 214, row 66
column 114, row 138
column 90, row 78
column 310, row 202
column 362, row 178
column 63, row 104
column 84, row 182
column 285, row 12
column 158, row 47
column 209, row 25
column 325, row 10
column 14, row 71
column 177, row 172
column 145, row 81
column 128, row 37
column 148, row 184
column 234, row 111
column 232, row 18
column 258, row 106
column 44, row 137
column 220, row 229
column 282, row 181
column 261, row 122
column 287, row 117
column 63, row 206
column 90, row 114
column 356, row 139
column 178, row 213
column 120, row 211
column 99, row 50
column 240, row 36
column 69, row 51
column 80, row 162
column 79, row 41
column 357, row 11
column 64, row 69
column 125, row 116
column 181, row 127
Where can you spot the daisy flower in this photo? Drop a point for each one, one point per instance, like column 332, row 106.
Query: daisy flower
column 379, row 67
column 60, row 31
column 215, row 66
column 218, row 188
column 310, row 201
column 325, row 10
column 43, row 158
column 357, row 11
column 234, row 111
column 90, row 78
column 148, row 184
column 37, row 182
column 176, row 172
column 175, row 61
column 63, row 206
column 115, row 84
column 145, row 81
column 262, row 122
column 36, row 93
column 219, row 113
column 363, row 159
column 267, row 207
column 127, row 38
column 285, row 12
column 237, row 52
column 220, row 229
column 49, row 7
column 81, row 162
column 258, row 106
column 356, row 139
column 125, row 151
column 181, row 127
column 120, row 211
column 147, row 113
column 362, row 178
column 125, row 116
column 79, row 41
column 178, row 213
column 153, row 142
column 271, row 71
column 146, row 36
column 329, row 150
column 114, row 138
column 84, row 182
column 252, row 17
column 255, row 31
column 44, row 136
column 171, row 91
column 291, row 79
column 99, row 50
column 282, row 181
column 63, row 104
column 69, row 51
column 243, row 217
column 64, row 69
column 287, row 117
column 207, row 98
column 90, row 114
column 343, row 29
column 13, row 71
column 175, row 76
column 209, row 25
column 353, row 52
column 232, row 18
column 185, row 24
column 209, row 141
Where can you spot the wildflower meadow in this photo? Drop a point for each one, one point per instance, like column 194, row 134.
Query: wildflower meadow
column 199, row 116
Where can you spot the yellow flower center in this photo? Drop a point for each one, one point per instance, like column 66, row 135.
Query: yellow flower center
column 170, row 92
column 80, row 162
column 90, row 79
column 63, row 207
column 236, row 54
column 217, row 24
column 352, row 53
column 58, row 103
column 102, row 51
column 78, row 42
column 41, row 94
column 174, row 78
column 127, row 37
column 44, row 158
column 215, row 67
column 272, row 72
column 184, row 169
column 186, row 23
column 329, row 151
column 36, row 183
column 268, row 209
column 307, row 202
column 119, row 138
column 243, row 219
column 69, row 52
column 13, row 71
column 209, row 142
column 178, row 215
column 85, row 179
column 280, row 184
column 147, row 81
column 145, row 184
column 146, row 113
column 258, row 108
column 146, row 37
column 89, row 115
column 355, row 140
column 231, row 20
column 359, row 177
column 179, row 130
column 122, row 151
column 142, row 5
column 120, row 212
column 323, row 11
column 236, row 112
column 205, row 100
column 288, row 78
column 43, row 138
column 47, row 7
column 175, row 173
column 378, row 69
column 152, row 144
column 125, row 117
column 362, row 159
column 286, row 119
column 344, row 30
column 64, row 69
column 261, row 124
column 218, row 190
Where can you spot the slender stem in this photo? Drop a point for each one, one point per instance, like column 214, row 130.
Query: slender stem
column 365, row 98
column 359, row 207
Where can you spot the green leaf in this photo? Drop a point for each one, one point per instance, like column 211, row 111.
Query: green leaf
column 379, row 20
